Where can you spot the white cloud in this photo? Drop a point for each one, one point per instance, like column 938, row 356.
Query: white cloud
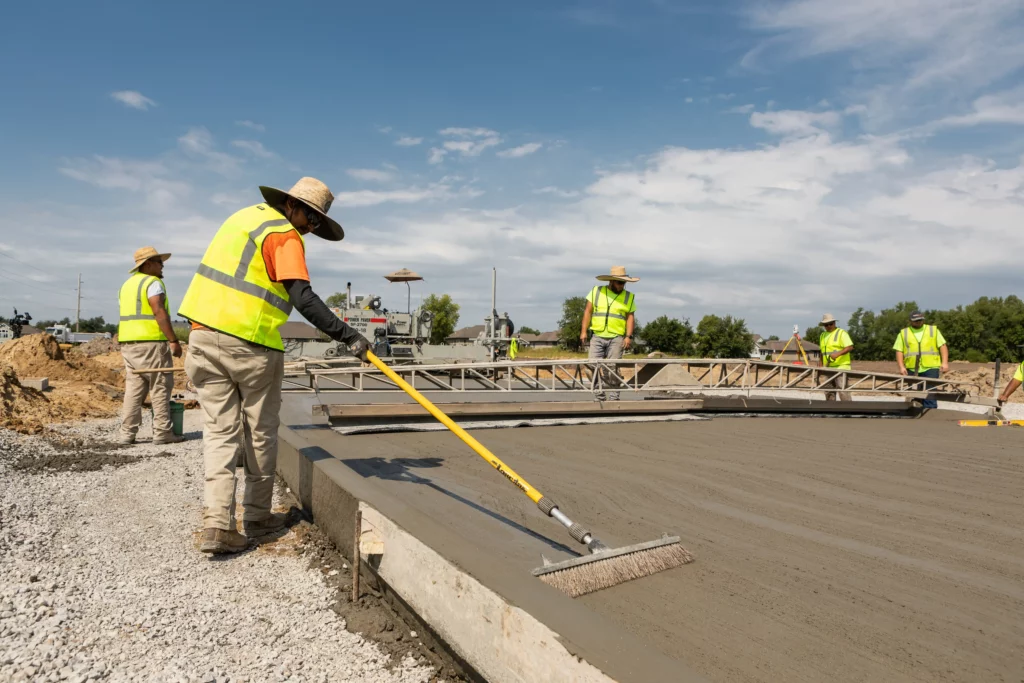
column 384, row 129
column 252, row 125
column 198, row 143
column 1005, row 108
column 794, row 122
column 689, row 100
column 370, row 175
column 471, row 148
column 436, row 155
column 468, row 132
column 133, row 99
column 408, row 195
column 406, row 141
column 557, row 191
column 151, row 179
column 255, row 148
column 520, row 151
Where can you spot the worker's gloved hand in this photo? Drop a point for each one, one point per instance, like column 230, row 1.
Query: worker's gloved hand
column 359, row 349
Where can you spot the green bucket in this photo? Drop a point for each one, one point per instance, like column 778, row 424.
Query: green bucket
column 177, row 417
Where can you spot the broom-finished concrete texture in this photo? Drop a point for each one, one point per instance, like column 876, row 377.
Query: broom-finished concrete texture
column 827, row 549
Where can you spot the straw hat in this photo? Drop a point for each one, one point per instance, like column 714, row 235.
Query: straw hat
column 827, row 318
column 146, row 253
column 314, row 194
column 618, row 274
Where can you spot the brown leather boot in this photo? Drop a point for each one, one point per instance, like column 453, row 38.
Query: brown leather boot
column 221, row 541
column 275, row 522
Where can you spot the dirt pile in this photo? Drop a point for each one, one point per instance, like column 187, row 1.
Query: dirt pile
column 39, row 355
column 96, row 347
column 985, row 378
column 18, row 405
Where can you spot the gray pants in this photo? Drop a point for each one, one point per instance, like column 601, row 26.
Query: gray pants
column 608, row 349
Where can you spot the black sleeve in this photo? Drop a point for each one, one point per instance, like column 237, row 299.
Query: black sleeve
column 316, row 312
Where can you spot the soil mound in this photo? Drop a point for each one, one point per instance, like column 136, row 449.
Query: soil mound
column 39, row 355
column 18, row 405
column 96, row 347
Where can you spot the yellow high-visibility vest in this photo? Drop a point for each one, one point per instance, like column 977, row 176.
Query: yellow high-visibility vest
column 231, row 291
column 138, row 323
column 926, row 352
column 610, row 312
column 829, row 342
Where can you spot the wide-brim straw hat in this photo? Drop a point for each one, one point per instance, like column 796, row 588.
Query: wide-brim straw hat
column 146, row 253
column 617, row 274
column 314, row 194
column 827, row 318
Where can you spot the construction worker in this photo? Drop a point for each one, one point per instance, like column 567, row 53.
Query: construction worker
column 610, row 317
column 836, row 345
column 252, row 275
column 1018, row 379
column 921, row 351
column 147, row 342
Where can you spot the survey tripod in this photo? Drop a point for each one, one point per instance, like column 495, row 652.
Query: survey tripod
column 799, row 345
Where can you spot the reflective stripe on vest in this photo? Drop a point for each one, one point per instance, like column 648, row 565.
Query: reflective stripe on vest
column 828, row 347
column 231, row 291
column 925, row 355
column 137, row 321
column 602, row 319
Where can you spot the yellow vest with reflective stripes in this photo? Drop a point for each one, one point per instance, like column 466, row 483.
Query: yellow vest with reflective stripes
column 610, row 312
column 137, row 321
column 927, row 351
column 231, row 291
column 829, row 342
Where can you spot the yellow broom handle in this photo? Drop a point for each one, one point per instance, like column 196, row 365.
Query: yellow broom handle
column 482, row 451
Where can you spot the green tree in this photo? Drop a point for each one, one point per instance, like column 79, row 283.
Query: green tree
column 336, row 300
column 813, row 334
column 774, row 337
column 571, row 323
column 668, row 335
column 723, row 337
column 873, row 335
column 446, row 316
column 526, row 329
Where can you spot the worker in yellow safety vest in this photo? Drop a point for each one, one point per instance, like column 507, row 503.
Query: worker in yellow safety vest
column 921, row 351
column 609, row 319
column 835, row 345
column 251, row 276
column 147, row 342
column 1018, row 379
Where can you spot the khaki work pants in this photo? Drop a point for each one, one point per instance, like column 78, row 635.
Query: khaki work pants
column 146, row 356
column 239, row 387
column 606, row 349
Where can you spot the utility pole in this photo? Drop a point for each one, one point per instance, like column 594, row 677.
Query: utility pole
column 78, row 309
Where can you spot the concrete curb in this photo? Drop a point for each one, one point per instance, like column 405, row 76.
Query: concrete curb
column 516, row 632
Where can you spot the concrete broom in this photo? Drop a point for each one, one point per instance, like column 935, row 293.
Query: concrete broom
column 604, row 566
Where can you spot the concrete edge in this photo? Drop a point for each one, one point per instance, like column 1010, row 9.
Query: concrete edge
column 499, row 640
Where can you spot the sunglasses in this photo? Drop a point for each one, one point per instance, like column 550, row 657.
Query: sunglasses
column 312, row 217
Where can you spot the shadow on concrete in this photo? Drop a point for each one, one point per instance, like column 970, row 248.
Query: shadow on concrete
column 400, row 469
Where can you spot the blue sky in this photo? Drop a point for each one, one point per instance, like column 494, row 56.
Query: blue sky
column 772, row 160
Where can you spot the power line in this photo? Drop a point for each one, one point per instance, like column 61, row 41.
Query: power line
column 30, row 283
column 2, row 253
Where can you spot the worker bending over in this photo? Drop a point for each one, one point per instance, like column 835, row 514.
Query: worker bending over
column 610, row 318
column 921, row 351
column 836, row 345
column 147, row 342
column 252, row 274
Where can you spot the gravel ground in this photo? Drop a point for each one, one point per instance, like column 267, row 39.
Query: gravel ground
column 100, row 578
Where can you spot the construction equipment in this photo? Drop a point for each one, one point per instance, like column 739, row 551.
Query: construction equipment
column 799, row 345
column 604, row 566
column 12, row 330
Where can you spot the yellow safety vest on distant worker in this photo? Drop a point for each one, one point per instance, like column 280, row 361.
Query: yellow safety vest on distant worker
column 926, row 351
column 231, row 291
column 837, row 340
column 513, row 348
column 610, row 311
column 138, row 323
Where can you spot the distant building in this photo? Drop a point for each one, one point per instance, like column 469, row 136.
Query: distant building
column 770, row 350
column 545, row 340
column 465, row 336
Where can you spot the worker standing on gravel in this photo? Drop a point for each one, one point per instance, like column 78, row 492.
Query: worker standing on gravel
column 836, row 345
column 921, row 351
column 252, row 274
column 610, row 318
column 147, row 341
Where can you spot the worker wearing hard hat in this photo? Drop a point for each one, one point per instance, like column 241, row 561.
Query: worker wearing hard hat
column 610, row 318
column 147, row 342
column 921, row 351
column 836, row 345
column 252, row 275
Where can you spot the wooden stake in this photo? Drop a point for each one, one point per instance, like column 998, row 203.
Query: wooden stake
column 358, row 532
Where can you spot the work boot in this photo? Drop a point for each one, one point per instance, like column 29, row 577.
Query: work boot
column 168, row 438
column 254, row 529
column 123, row 440
column 219, row 541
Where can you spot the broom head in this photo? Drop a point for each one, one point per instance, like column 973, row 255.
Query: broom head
column 606, row 568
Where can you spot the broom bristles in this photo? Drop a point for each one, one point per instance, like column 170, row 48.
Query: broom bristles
column 605, row 573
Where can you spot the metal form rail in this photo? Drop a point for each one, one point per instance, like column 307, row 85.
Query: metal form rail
column 642, row 375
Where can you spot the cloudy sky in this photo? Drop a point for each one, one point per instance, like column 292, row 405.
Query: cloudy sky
column 773, row 160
